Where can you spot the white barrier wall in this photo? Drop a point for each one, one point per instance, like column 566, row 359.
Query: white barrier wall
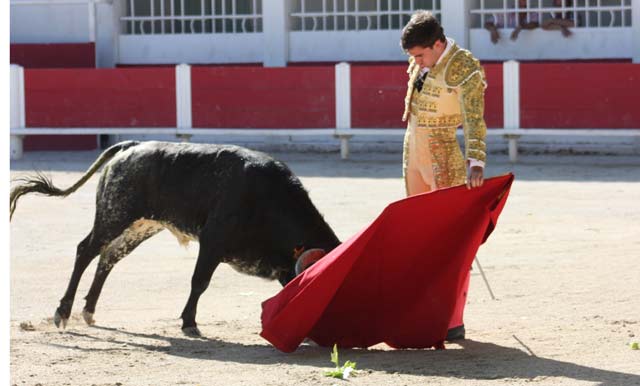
column 200, row 48
column 39, row 22
column 275, row 32
column 347, row 46
column 601, row 43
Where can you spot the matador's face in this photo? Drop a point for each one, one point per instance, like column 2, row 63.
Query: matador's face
column 427, row 56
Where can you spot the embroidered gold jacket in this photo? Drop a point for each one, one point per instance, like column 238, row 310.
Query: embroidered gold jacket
column 452, row 94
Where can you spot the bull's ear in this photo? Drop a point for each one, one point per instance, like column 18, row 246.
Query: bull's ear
column 308, row 258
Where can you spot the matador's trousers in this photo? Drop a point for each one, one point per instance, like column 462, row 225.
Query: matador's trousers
column 432, row 160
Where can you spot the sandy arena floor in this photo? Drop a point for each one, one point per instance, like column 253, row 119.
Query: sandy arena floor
column 563, row 263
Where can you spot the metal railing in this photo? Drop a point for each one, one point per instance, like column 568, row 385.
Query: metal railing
column 356, row 15
column 584, row 13
column 154, row 17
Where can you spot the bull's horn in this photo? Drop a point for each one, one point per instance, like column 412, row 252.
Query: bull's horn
column 308, row 258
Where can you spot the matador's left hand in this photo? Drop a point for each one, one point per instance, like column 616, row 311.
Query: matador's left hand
column 475, row 177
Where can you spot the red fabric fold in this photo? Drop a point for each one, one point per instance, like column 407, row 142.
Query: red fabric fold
column 395, row 281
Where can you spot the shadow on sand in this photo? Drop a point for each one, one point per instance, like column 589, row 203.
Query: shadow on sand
column 482, row 360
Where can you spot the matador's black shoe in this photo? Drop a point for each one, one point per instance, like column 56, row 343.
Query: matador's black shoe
column 456, row 333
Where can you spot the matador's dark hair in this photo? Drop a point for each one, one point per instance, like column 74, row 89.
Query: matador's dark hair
column 423, row 29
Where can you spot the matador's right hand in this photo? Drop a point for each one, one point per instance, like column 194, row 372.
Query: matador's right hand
column 475, row 179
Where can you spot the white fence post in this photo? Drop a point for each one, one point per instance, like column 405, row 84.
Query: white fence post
column 511, row 94
column 455, row 20
column 183, row 98
column 91, row 16
column 343, row 106
column 16, row 102
column 275, row 27
column 91, row 13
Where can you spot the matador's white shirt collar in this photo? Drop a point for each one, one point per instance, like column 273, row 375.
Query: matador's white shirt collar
column 450, row 43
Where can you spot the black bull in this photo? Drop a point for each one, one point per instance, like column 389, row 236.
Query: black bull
column 243, row 207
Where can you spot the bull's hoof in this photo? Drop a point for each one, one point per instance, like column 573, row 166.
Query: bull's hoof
column 88, row 317
column 59, row 320
column 192, row 331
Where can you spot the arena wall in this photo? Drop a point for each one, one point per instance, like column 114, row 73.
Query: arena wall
column 552, row 95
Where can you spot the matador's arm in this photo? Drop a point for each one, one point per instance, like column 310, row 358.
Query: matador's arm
column 475, row 129
column 467, row 76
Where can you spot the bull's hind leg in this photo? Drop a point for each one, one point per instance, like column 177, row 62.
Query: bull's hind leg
column 101, row 235
column 117, row 249
column 88, row 249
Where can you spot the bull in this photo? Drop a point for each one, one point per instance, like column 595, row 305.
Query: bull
column 244, row 208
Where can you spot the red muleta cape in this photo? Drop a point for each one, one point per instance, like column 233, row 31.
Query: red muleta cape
column 396, row 280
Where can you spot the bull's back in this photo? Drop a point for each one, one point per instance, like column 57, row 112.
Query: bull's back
column 182, row 183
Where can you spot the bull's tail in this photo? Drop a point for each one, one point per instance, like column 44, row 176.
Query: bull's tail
column 43, row 184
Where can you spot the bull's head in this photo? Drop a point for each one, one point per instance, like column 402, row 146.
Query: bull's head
column 308, row 258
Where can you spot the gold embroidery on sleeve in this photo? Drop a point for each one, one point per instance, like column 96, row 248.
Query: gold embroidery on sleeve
column 475, row 128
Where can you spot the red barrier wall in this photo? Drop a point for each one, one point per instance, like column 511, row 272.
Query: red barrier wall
column 59, row 55
column 257, row 97
column 580, row 95
column 377, row 95
column 553, row 95
column 378, row 91
column 140, row 97
column 494, row 96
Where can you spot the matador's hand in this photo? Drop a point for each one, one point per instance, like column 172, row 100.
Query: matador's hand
column 475, row 177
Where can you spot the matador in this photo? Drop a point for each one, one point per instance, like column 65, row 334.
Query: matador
column 446, row 90
column 438, row 101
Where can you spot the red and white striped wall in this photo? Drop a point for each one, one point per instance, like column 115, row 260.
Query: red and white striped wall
column 343, row 100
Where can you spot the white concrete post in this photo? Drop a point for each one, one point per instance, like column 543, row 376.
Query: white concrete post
column 275, row 27
column 343, row 105
column 117, row 9
column 635, row 30
column 91, row 18
column 106, row 33
column 455, row 20
column 91, row 9
column 183, row 97
column 17, row 120
column 511, row 104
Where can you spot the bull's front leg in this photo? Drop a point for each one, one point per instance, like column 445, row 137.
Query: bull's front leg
column 208, row 260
